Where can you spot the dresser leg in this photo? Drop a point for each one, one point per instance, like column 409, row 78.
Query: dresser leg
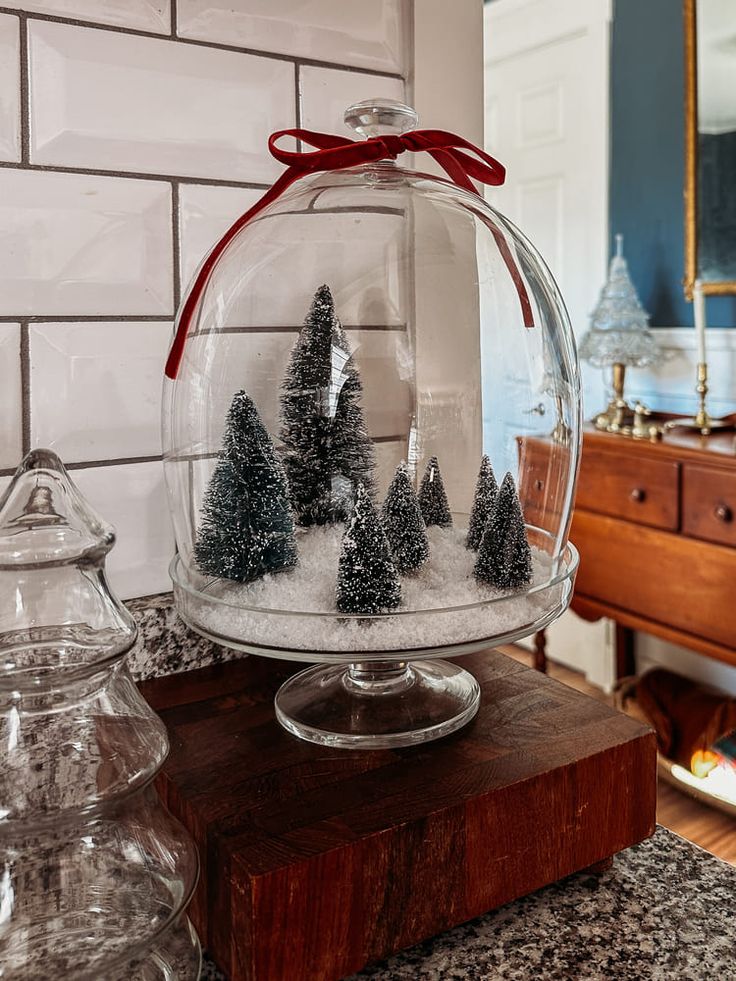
column 625, row 661
column 540, row 651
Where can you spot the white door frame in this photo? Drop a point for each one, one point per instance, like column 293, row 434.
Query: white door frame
column 519, row 27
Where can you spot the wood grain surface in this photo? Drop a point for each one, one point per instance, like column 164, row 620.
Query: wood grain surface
column 318, row 861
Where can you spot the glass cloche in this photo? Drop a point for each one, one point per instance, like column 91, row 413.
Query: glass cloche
column 371, row 438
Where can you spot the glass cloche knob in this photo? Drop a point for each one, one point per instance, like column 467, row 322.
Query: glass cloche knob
column 380, row 117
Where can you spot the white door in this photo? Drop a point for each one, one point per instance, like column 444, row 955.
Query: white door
column 547, row 121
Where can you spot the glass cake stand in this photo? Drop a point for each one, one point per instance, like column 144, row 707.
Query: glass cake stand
column 385, row 691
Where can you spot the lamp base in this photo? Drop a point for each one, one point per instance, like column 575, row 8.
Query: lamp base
column 702, row 424
column 619, row 415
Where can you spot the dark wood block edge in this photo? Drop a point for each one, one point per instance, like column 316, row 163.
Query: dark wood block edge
column 316, row 862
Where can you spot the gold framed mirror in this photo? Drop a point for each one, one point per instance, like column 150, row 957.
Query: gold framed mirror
column 710, row 145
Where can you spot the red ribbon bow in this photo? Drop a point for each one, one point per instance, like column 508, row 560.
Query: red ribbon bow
column 338, row 153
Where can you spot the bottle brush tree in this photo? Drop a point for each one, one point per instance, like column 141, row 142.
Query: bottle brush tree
column 504, row 557
column 403, row 523
column 367, row 580
column 247, row 528
column 432, row 497
column 486, row 490
column 328, row 451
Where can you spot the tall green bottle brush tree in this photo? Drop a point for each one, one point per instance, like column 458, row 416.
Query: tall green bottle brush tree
column 433, row 497
column 367, row 580
column 504, row 557
column 247, row 528
column 328, row 451
column 486, row 492
column 403, row 523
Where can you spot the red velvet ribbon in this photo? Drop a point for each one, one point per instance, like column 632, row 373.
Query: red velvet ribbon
column 338, row 153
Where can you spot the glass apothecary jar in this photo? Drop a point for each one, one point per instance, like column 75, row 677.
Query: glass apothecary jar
column 376, row 365
column 95, row 874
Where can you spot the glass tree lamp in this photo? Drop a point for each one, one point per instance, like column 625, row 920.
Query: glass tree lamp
column 348, row 349
column 618, row 338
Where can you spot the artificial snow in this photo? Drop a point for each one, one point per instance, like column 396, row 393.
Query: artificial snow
column 442, row 604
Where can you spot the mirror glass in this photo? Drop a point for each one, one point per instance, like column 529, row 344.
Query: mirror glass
column 716, row 140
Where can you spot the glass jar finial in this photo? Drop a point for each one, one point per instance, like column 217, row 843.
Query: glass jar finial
column 380, row 117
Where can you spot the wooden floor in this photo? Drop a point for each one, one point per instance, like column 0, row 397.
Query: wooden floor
column 707, row 827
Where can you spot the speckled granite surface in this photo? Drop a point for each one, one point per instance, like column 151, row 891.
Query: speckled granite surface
column 165, row 645
column 666, row 911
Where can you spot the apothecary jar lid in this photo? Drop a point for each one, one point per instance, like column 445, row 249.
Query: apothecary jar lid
column 370, row 317
column 59, row 617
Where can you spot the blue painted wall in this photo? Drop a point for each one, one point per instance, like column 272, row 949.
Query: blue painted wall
column 647, row 158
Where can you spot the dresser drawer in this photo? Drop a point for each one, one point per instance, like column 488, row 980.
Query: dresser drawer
column 628, row 486
column 670, row 579
column 709, row 504
column 543, row 467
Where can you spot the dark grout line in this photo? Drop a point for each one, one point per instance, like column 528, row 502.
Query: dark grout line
column 85, row 319
column 7, row 471
column 176, row 243
column 132, row 175
column 373, row 209
column 190, row 487
column 174, row 18
column 389, row 439
column 298, row 102
column 121, row 461
column 25, row 388
column 193, row 457
column 196, row 42
column 25, row 101
column 292, row 329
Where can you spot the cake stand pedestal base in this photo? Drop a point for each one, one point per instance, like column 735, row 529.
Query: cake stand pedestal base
column 377, row 704
column 316, row 861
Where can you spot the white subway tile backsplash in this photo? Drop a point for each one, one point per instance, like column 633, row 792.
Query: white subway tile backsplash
column 108, row 377
column 74, row 244
column 132, row 497
column 91, row 255
column 388, row 456
column 142, row 15
column 204, row 214
column 111, row 101
column 360, row 33
column 10, row 396
column 325, row 94
column 9, row 88
column 362, row 256
column 256, row 361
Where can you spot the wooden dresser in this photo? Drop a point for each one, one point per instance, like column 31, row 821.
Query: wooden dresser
column 655, row 525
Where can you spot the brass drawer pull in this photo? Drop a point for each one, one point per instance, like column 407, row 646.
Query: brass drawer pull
column 724, row 513
column 638, row 494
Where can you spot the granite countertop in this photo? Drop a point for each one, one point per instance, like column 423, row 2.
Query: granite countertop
column 665, row 911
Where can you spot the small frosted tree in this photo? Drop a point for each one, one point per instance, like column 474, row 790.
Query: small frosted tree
column 247, row 527
column 504, row 557
column 328, row 451
column 403, row 523
column 367, row 581
column 432, row 497
column 486, row 491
